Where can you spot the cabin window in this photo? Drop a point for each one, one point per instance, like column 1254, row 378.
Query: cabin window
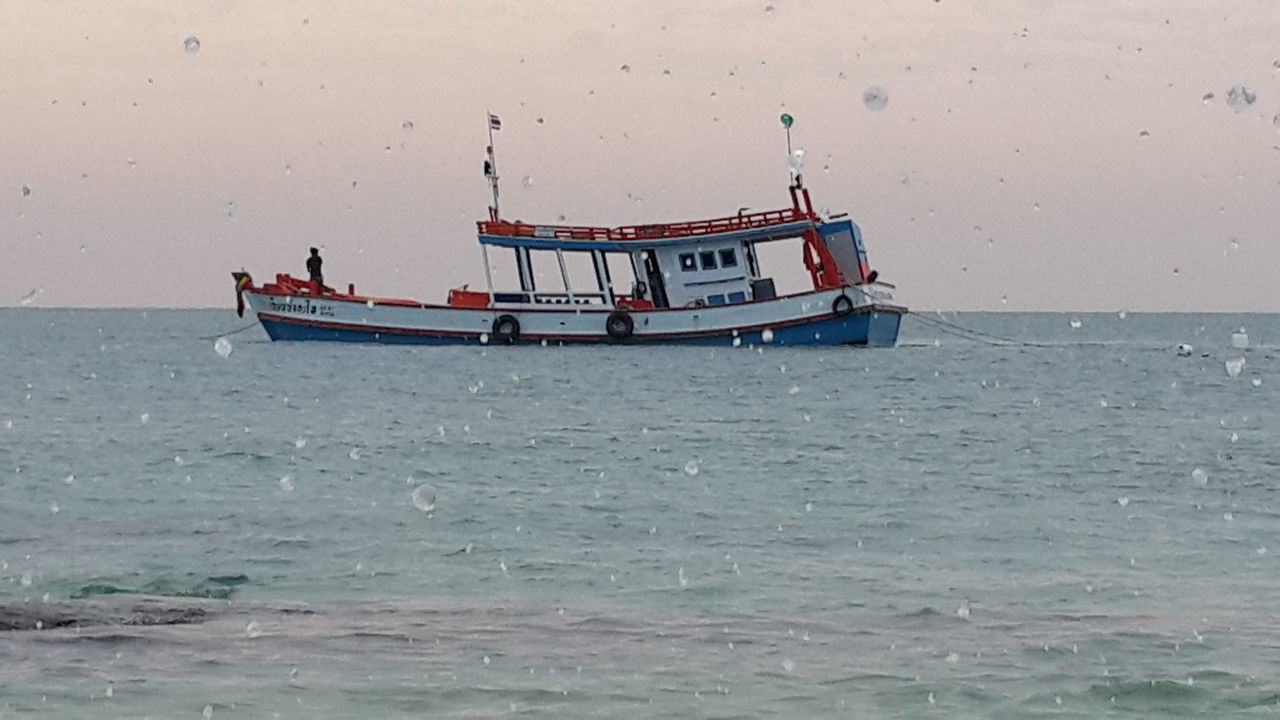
column 737, row 297
column 687, row 262
column 708, row 260
column 728, row 258
column 715, row 299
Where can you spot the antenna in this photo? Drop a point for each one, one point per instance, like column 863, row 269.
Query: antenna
column 491, row 166
column 787, row 122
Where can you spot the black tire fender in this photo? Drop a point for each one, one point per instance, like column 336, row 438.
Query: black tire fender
column 841, row 306
column 506, row 329
column 619, row 325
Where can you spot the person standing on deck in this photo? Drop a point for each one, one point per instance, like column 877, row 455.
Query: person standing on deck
column 313, row 267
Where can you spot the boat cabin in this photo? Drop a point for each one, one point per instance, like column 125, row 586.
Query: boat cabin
column 677, row 265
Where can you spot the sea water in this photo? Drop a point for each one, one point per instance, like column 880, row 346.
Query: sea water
column 1079, row 523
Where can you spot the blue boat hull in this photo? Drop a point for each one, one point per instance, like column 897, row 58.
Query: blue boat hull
column 876, row 327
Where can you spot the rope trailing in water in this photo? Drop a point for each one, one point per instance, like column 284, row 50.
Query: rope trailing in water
column 970, row 334
column 225, row 334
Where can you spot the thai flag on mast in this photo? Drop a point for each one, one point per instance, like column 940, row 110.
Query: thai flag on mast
column 495, row 123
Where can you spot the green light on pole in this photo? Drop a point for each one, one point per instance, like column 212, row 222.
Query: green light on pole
column 787, row 120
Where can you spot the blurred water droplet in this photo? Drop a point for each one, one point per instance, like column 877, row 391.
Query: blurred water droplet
column 527, row 181
column 737, row 342
column 1240, row 98
column 26, row 579
column 407, row 126
column 932, row 699
column 177, row 460
column 192, row 44
column 53, row 508
column 132, row 163
column 788, row 665
column 768, row 9
column 1185, row 350
column 1207, row 98
column 222, row 346
column 423, row 497
column 1256, row 382
column 1004, row 299
column 30, row 297
column 625, row 69
column 1200, row 476
column 1076, row 324
column 300, row 443
column 794, row 389
column 796, row 161
column 286, row 483
column 875, row 98
column 1240, row 340
column 354, row 454
column 144, row 417
column 26, row 190
column 681, row 578
column 484, row 338
column 207, row 712
column 1144, row 134
column 1234, row 366
column 1122, row 314
column 767, row 335
column 1123, row 502
column 485, row 660
column 953, row 657
column 252, row 630
column 691, row 468
column 368, row 304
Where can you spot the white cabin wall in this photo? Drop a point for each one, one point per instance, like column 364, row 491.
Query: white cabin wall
column 687, row 286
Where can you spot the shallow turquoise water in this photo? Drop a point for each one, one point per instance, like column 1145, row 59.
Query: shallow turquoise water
column 953, row 529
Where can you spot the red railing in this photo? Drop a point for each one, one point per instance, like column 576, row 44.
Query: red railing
column 628, row 233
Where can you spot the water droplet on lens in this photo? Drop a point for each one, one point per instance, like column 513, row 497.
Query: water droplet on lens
column 1200, row 476
column 286, row 483
column 424, row 498
column 1240, row 98
column 527, row 181
column 207, row 712
column 222, row 346
column 1076, row 324
column 768, row 9
column 691, row 468
column 484, row 338
column 26, row 190
column 625, row 69
column 192, row 44
column 767, row 335
column 407, row 126
column 252, row 629
column 1207, row 98
column 875, row 98
column 788, row 664
column 1234, row 366
column 1144, row 134
column 354, row 454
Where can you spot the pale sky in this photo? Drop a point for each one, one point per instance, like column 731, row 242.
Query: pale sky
column 1033, row 155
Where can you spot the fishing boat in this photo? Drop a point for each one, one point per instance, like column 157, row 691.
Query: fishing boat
column 695, row 282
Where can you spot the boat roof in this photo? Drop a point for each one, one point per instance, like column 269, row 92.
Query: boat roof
column 750, row 227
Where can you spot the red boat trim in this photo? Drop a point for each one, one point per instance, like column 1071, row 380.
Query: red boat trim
column 549, row 308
